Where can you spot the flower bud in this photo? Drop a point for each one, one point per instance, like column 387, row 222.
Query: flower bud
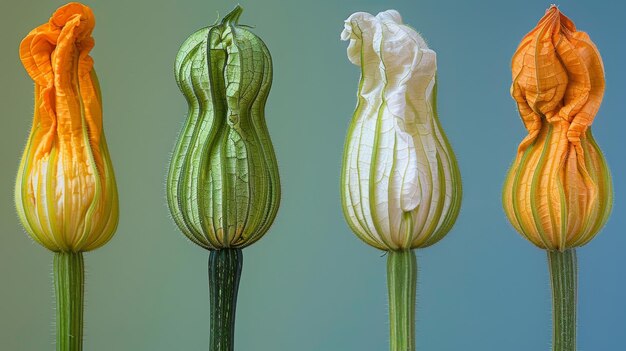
column 558, row 192
column 65, row 193
column 401, row 187
column 223, row 187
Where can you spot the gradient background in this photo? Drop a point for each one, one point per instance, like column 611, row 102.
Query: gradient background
column 310, row 284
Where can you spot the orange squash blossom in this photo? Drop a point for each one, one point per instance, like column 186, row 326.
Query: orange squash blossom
column 66, row 194
column 558, row 192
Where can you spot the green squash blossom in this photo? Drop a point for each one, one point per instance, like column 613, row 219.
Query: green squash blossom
column 223, row 187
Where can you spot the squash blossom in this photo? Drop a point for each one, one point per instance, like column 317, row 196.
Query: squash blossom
column 558, row 192
column 400, row 184
column 65, row 193
column 223, row 187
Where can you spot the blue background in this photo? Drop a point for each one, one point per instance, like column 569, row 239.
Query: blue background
column 310, row 284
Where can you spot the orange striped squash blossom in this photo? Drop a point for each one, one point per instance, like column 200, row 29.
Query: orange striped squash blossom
column 65, row 193
column 558, row 192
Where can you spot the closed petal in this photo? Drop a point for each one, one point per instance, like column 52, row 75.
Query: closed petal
column 396, row 156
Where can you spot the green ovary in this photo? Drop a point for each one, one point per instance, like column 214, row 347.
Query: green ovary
column 223, row 185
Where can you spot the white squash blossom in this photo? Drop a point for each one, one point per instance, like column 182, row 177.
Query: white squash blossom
column 400, row 184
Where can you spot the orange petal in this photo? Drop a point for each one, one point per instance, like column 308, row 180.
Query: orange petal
column 66, row 193
column 558, row 191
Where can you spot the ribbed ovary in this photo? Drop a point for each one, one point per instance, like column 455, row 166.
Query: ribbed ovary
column 550, row 199
column 223, row 184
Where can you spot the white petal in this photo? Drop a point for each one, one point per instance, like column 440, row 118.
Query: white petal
column 391, row 166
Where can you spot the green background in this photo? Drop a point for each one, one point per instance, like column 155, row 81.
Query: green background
column 310, row 284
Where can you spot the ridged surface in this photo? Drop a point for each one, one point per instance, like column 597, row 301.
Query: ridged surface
column 400, row 184
column 223, row 186
column 65, row 193
column 558, row 192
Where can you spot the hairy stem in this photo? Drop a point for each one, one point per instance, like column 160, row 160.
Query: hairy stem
column 224, row 274
column 564, row 281
column 402, row 284
column 69, row 279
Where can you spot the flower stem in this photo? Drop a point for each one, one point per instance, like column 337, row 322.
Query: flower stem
column 224, row 274
column 69, row 280
column 564, row 280
column 402, row 283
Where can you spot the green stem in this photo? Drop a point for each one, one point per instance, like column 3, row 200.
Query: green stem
column 69, row 280
column 564, row 280
column 402, row 283
column 224, row 274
